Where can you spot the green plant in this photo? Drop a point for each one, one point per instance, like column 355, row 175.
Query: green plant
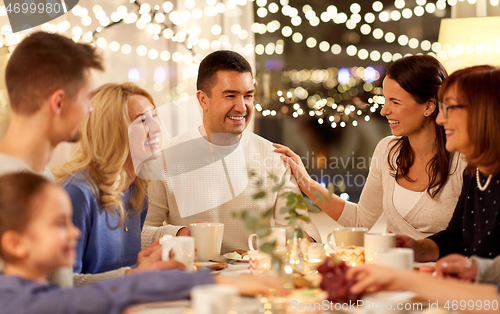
column 296, row 209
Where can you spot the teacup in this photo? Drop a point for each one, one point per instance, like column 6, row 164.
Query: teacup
column 346, row 237
column 182, row 248
column 376, row 241
column 401, row 258
column 277, row 235
column 208, row 240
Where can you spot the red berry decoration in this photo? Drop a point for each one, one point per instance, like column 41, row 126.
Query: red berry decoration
column 334, row 281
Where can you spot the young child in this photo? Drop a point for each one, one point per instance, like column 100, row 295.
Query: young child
column 38, row 236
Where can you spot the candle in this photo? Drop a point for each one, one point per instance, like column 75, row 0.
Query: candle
column 315, row 255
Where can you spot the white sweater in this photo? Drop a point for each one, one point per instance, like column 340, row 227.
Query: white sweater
column 428, row 216
column 164, row 216
column 9, row 164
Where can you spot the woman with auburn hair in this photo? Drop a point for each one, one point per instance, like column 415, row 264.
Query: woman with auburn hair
column 470, row 105
column 109, row 200
column 412, row 179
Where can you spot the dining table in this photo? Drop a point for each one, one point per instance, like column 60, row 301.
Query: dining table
column 255, row 305
column 244, row 305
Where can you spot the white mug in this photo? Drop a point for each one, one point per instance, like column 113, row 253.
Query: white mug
column 208, row 239
column 376, row 241
column 401, row 258
column 213, row 299
column 183, row 249
column 345, row 237
column 276, row 234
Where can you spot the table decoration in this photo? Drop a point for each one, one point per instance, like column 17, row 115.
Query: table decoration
column 294, row 258
column 352, row 255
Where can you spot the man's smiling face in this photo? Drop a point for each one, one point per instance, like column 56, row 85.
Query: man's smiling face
column 229, row 107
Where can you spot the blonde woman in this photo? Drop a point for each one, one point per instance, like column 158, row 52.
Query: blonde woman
column 109, row 200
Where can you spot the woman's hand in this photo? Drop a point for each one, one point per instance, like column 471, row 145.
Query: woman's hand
column 298, row 169
column 150, row 259
column 424, row 250
column 457, row 266
column 406, row 242
column 370, row 278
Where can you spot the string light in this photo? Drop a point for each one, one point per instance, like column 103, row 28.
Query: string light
column 332, row 13
column 340, row 105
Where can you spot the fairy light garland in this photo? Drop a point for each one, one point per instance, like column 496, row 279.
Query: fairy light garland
column 158, row 20
column 332, row 14
column 161, row 21
column 153, row 19
column 342, row 107
column 147, row 14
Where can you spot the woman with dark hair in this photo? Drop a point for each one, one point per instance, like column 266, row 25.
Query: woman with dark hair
column 412, row 179
column 470, row 105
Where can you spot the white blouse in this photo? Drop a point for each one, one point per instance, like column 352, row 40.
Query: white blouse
column 426, row 217
column 404, row 200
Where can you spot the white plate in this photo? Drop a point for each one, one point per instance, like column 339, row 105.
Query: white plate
column 383, row 297
column 244, row 259
column 235, row 270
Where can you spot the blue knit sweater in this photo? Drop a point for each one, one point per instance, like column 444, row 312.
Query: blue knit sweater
column 102, row 246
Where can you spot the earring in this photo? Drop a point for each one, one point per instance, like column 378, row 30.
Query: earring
column 426, row 114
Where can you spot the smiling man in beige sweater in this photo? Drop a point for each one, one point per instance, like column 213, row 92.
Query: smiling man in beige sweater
column 206, row 169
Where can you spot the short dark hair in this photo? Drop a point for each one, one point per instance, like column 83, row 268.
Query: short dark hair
column 43, row 63
column 17, row 191
column 221, row 60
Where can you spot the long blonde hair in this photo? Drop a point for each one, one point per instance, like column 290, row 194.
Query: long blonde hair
column 104, row 148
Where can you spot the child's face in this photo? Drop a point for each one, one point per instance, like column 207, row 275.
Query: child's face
column 50, row 236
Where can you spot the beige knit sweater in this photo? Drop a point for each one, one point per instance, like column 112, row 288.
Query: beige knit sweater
column 428, row 216
column 164, row 216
